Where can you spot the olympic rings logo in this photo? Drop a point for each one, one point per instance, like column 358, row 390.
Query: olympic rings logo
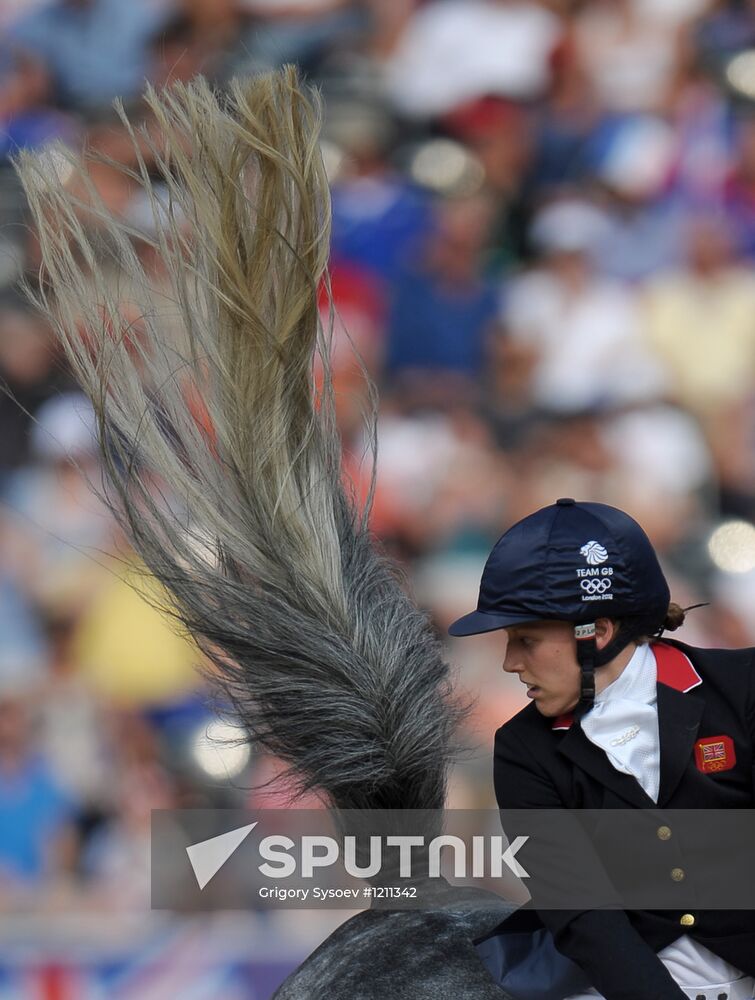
column 595, row 586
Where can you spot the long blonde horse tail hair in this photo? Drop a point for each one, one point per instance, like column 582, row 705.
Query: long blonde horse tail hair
column 220, row 442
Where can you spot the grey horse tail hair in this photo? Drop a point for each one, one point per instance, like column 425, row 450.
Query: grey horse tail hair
column 219, row 439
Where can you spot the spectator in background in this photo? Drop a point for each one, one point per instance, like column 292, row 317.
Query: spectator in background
column 129, row 652
column 359, row 324
column 26, row 118
column 739, row 190
column 565, row 120
column 388, row 22
column 36, row 817
column 700, row 321
column 451, row 52
column 442, row 483
column 211, row 28
column 108, row 142
column 379, row 217
column 703, row 128
column 29, row 374
column 731, row 440
column 661, row 469
column 25, row 84
column 632, row 160
column 577, row 332
column 300, row 31
column 75, row 726
column 631, row 55
column 116, row 858
column 184, row 47
column 444, row 311
column 500, row 134
column 359, row 306
column 82, row 54
column 52, row 524
column 24, row 651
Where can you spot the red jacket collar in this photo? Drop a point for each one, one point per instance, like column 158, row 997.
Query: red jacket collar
column 674, row 669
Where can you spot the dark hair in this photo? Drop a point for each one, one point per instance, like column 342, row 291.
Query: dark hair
column 641, row 629
column 674, row 617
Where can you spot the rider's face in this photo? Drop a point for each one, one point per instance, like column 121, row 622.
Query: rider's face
column 544, row 656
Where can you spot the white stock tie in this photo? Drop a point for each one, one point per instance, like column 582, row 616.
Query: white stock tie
column 624, row 721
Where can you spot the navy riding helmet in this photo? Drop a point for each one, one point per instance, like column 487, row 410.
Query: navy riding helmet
column 573, row 562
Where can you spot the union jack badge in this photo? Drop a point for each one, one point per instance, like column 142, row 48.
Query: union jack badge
column 715, row 753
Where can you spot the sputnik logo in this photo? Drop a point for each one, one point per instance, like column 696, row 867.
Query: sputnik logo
column 208, row 856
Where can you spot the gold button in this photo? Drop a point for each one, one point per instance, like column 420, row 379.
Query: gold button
column 677, row 874
column 687, row 920
column 664, row 832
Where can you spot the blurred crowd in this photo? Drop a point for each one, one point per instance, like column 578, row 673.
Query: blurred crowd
column 543, row 248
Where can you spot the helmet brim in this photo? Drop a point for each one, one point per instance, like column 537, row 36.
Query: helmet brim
column 477, row 622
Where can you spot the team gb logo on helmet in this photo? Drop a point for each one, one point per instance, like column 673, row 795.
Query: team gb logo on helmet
column 594, row 553
column 595, row 580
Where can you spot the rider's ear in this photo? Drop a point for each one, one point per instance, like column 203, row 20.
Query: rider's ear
column 605, row 631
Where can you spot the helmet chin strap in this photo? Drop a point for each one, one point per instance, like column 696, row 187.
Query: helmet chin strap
column 586, row 656
column 589, row 657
